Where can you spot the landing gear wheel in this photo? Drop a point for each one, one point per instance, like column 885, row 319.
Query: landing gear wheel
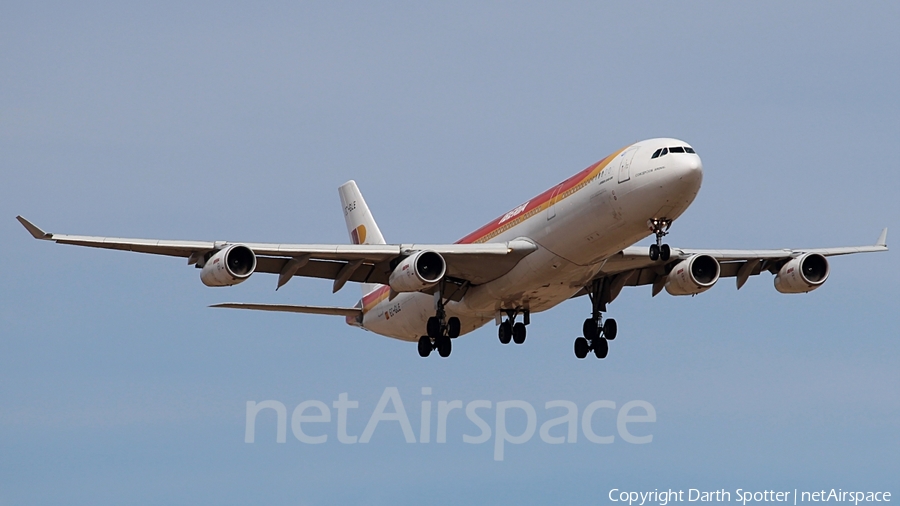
column 505, row 332
column 453, row 327
column 601, row 347
column 444, row 346
column 589, row 329
column 433, row 327
column 610, row 329
column 518, row 333
column 664, row 252
column 654, row 252
column 424, row 346
column 581, row 347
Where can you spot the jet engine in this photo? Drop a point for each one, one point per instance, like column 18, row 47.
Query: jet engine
column 229, row 266
column 693, row 275
column 802, row 274
column 418, row 271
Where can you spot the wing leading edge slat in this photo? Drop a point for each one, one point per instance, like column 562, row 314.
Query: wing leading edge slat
column 633, row 264
column 476, row 263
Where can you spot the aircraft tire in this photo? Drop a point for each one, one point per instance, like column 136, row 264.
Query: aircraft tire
column 453, row 327
column 444, row 346
column 601, row 347
column 424, row 346
column 589, row 329
column 665, row 252
column 610, row 329
column 581, row 347
column 433, row 327
column 654, row 252
column 518, row 333
column 504, row 332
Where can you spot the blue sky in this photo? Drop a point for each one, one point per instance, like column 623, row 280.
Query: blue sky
column 238, row 122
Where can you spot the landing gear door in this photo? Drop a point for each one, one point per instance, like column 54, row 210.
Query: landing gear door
column 625, row 164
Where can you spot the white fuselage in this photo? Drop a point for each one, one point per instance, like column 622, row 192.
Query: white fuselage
column 576, row 226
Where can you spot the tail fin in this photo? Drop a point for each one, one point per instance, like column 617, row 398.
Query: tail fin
column 360, row 223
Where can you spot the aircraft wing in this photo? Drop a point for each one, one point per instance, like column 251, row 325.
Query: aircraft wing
column 633, row 267
column 467, row 264
column 288, row 308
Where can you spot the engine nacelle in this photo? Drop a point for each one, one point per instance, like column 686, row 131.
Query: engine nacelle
column 693, row 275
column 802, row 274
column 418, row 271
column 229, row 266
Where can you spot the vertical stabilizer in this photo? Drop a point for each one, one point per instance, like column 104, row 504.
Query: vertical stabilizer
column 360, row 223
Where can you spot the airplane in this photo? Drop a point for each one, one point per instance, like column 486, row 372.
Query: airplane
column 577, row 238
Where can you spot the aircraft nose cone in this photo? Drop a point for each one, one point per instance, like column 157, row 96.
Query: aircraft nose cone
column 687, row 174
column 692, row 168
column 694, row 164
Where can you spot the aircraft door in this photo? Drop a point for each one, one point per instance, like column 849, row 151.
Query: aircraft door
column 625, row 164
column 551, row 210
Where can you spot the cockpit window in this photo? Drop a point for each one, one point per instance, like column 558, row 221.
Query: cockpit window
column 677, row 149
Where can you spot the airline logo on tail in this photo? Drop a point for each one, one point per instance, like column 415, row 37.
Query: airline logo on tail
column 358, row 235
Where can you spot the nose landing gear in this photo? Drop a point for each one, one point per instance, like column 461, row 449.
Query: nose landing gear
column 660, row 228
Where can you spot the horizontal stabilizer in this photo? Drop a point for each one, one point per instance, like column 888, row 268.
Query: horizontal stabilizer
column 287, row 308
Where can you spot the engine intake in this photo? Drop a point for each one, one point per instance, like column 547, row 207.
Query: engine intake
column 802, row 274
column 418, row 271
column 229, row 266
column 693, row 275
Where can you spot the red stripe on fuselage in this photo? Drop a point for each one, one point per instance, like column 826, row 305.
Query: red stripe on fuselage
column 374, row 297
column 538, row 203
column 498, row 226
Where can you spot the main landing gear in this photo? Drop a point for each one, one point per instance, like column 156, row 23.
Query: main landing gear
column 441, row 344
column 660, row 228
column 597, row 332
column 508, row 329
column 440, row 330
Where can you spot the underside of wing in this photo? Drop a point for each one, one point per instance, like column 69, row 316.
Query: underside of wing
column 288, row 308
column 633, row 266
column 466, row 264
